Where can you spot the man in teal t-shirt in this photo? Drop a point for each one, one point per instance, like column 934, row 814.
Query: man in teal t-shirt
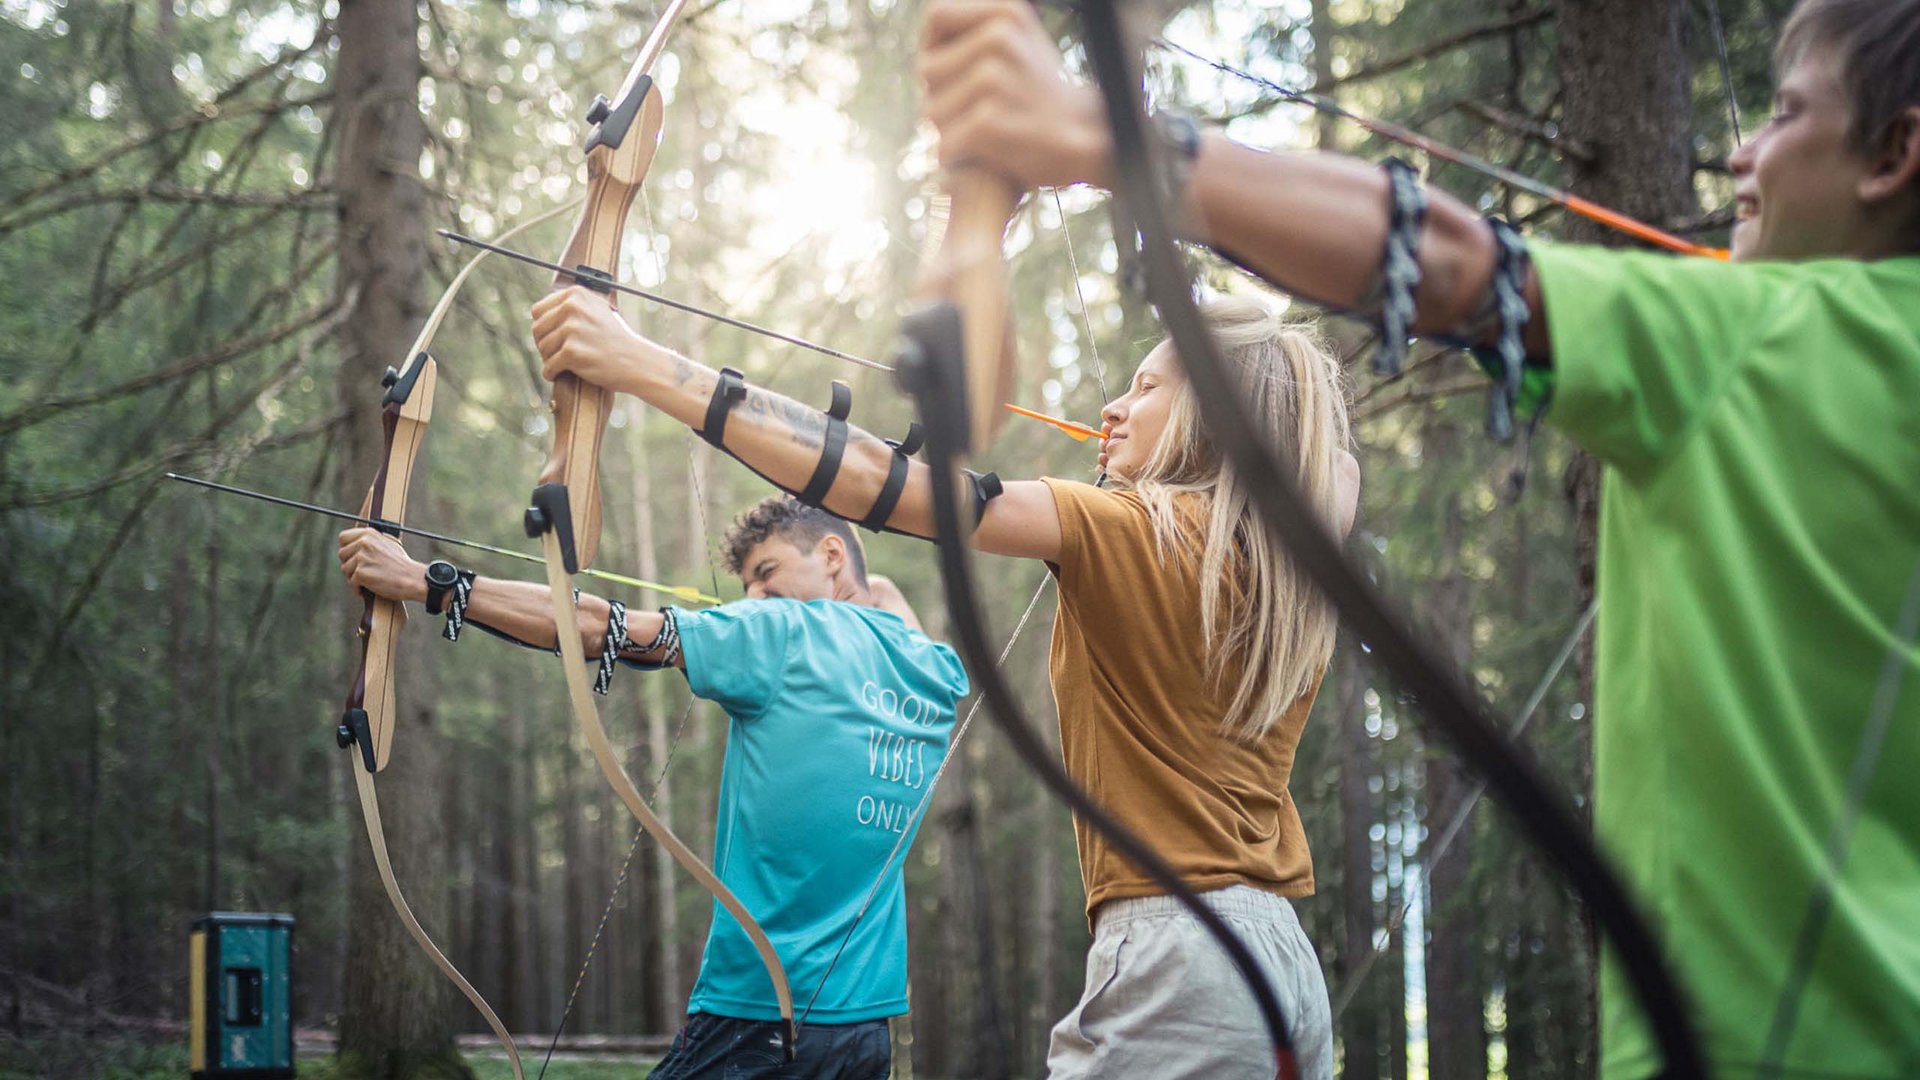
column 840, row 711
column 840, row 715
column 1758, row 684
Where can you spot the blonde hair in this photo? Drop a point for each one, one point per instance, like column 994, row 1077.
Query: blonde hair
column 1269, row 634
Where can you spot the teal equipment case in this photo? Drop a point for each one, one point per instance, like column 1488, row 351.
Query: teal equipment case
column 241, row 1022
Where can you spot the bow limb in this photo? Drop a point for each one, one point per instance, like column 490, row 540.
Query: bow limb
column 1264, row 468
column 620, row 147
column 580, row 698
column 431, row 327
column 376, row 837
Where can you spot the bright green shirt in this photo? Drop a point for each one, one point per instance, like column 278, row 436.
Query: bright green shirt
column 1759, row 541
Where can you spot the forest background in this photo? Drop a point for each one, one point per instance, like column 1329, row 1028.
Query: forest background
column 177, row 293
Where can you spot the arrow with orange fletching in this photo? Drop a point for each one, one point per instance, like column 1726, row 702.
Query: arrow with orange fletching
column 1075, row 430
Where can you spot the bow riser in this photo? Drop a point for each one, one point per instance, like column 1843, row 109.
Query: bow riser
column 970, row 270
column 618, row 158
column 406, row 410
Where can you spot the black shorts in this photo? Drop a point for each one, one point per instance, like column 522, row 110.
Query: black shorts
column 710, row 1047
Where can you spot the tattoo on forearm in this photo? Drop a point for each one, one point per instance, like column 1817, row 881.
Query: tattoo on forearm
column 807, row 426
column 685, row 370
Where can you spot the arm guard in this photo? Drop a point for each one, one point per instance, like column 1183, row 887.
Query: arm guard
column 732, row 389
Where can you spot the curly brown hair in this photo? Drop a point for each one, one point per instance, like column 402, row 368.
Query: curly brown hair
column 797, row 523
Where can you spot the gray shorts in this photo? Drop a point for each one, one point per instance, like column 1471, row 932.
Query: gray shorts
column 1162, row 1000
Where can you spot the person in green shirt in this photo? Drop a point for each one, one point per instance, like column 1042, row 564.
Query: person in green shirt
column 1757, row 723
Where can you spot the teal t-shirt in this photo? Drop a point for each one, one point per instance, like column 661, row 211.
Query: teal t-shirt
column 1760, row 538
column 839, row 718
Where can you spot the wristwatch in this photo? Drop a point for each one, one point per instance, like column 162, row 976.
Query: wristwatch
column 441, row 576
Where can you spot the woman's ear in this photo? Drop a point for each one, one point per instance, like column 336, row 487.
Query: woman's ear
column 1347, row 488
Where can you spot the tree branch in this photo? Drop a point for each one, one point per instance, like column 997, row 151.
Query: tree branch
column 1543, row 132
column 1434, row 48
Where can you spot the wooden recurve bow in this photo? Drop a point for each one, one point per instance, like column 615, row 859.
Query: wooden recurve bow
column 368, row 719
column 564, row 512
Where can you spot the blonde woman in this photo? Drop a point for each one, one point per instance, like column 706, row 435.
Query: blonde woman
column 1186, row 654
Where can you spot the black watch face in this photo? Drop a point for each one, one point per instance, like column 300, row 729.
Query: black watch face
column 441, row 572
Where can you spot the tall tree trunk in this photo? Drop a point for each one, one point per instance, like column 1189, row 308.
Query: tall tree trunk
column 1360, row 1025
column 1456, row 1014
column 660, row 873
column 398, row 1011
column 215, row 735
column 970, row 919
column 1625, row 70
column 1393, row 966
column 1051, row 955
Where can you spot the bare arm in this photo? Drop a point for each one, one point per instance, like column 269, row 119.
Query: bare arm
column 520, row 609
column 1314, row 224
column 577, row 331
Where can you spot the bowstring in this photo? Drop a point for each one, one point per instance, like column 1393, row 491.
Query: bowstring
column 1726, row 69
column 619, row 883
column 919, row 809
column 1456, row 825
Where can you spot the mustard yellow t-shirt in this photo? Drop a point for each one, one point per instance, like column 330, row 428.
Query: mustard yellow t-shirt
column 1140, row 728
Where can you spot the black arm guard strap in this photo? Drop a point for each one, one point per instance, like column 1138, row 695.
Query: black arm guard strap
column 985, row 487
column 731, row 388
column 833, row 449
column 889, row 497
